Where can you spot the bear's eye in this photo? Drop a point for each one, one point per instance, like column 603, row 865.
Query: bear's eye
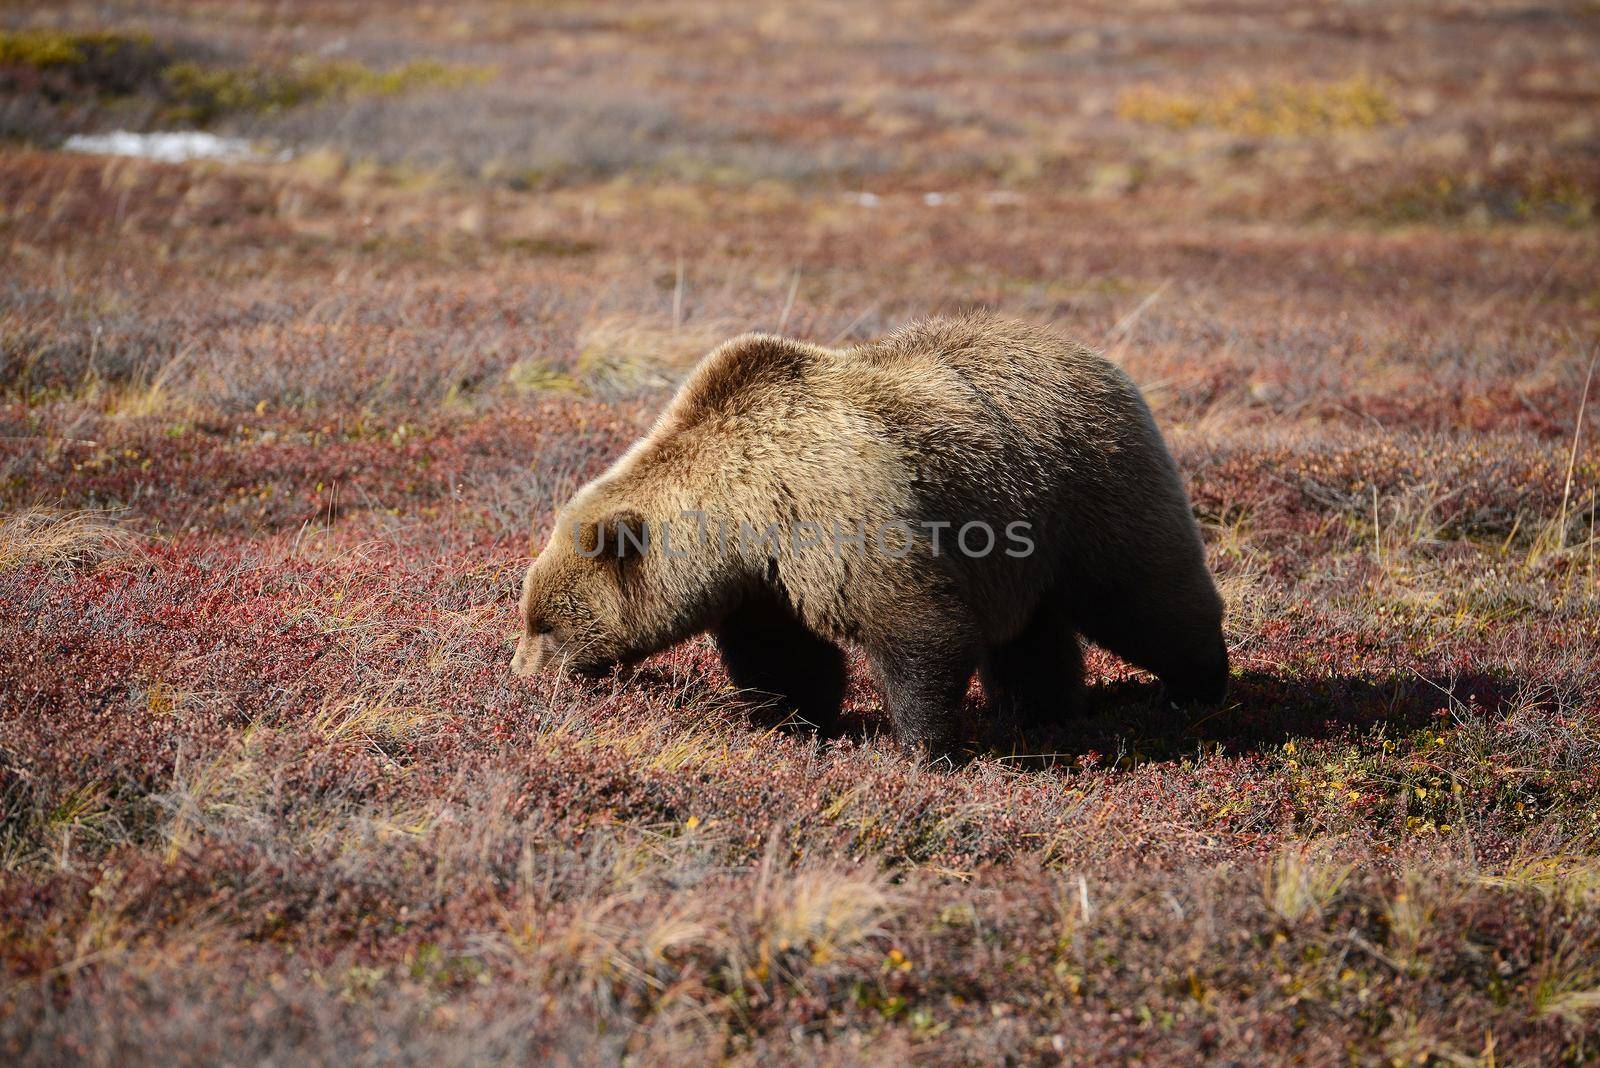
column 539, row 630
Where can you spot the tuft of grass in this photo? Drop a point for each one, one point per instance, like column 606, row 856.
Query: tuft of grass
column 1283, row 109
column 371, row 716
column 1571, row 1006
column 1567, row 986
column 621, row 356
column 1566, row 877
column 820, row 913
column 535, row 376
column 205, row 794
column 41, row 537
column 1300, row 883
column 1412, row 913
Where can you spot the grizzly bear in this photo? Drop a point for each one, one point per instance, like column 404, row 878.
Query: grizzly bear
column 965, row 495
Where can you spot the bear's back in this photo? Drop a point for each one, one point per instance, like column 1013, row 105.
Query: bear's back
column 1009, row 362
column 988, row 385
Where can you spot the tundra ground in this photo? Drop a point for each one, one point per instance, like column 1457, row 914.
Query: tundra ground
column 277, row 438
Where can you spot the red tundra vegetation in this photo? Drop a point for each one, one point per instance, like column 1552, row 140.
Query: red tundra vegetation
column 277, row 436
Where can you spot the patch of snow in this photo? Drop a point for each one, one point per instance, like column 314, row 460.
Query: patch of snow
column 170, row 146
column 866, row 200
column 933, row 200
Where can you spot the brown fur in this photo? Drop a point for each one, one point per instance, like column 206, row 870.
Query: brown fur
column 959, row 420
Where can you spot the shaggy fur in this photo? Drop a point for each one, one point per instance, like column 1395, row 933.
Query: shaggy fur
column 971, row 419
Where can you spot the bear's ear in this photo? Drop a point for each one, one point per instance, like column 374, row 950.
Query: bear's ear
column 619, row 536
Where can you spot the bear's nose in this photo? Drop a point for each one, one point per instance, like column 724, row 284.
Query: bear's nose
column 526, row 660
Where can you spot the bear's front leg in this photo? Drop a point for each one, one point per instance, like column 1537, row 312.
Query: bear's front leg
column 1035, row 680
column 778, row 661
column 924, row 685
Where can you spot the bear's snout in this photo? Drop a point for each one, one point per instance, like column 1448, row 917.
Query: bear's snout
column 528, row 657
column 536, row 653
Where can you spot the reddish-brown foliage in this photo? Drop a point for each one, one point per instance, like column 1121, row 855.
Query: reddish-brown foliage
column 277, row 438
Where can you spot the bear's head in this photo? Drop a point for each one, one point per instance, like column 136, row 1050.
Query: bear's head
column 606, row 590
column 573, row 603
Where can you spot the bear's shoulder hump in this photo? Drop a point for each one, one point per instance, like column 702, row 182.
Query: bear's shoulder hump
column 746, row 370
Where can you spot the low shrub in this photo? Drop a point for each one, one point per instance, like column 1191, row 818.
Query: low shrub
column 202, row 92
column 186, row 83
column 1283, row 109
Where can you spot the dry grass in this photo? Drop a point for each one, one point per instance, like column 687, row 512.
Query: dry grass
column 821, row 913
column 620, row 356
column 1573, row 878
column 1300, row 885
column 37, row 537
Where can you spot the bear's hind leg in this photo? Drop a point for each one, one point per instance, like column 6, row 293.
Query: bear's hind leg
column 1036, row 678
column 770, row 653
